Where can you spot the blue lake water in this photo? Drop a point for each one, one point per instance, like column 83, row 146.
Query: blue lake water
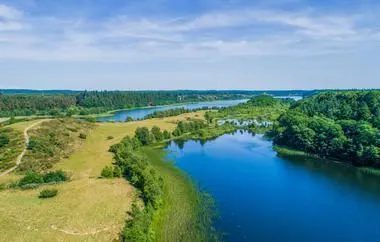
column 262, row 197
column 120, row 116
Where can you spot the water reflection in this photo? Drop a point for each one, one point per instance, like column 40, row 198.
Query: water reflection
column 263, row 197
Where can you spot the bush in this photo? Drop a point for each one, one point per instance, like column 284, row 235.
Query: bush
column 4, row 140
column 107, row 172
column 2, row 186
column 55, row 176
column 110, row 137
column 48, row 193
column 116, row 171
column 129, row 119
column 82, row 136
column 31, row 178
column 90, row 119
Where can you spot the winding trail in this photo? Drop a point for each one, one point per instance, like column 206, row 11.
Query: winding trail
column 71, row 232
column 26, row 137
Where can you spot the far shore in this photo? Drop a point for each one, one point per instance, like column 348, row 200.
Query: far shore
column 111, row 112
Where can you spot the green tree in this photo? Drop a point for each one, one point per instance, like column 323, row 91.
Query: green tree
column 166, row 135
column 156, row 131
column 143, row 135
column 208, row 117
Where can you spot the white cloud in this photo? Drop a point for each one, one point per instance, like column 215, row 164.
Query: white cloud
column 211, row 35
column 9, row 13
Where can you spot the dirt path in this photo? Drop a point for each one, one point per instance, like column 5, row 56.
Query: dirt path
column 70, row 232
column 26, row 137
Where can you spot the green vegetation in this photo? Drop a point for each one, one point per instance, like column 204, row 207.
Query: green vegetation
column 174, row 112
column 342, row 126
column 82, row 136
column 11, row 145
column 135, row 157
column 111, row 172
column 186, row 214
column 33, row 180
column 141, row 174
column 188, row 127
column 48, row 193
column 52, row 141
column 95, row 102
column 350, row 105
column 260, row 108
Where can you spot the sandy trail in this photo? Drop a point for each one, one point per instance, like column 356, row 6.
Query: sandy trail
column 19, row 158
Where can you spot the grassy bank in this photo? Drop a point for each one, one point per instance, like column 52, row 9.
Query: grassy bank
column 184, row 214
column 287, row 152
column 291, row 153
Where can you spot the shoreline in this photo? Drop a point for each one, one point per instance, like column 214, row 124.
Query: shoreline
column 184, row 206
column 111, row 112
column 288, row 152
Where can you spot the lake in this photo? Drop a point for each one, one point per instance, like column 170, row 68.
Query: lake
column 138, row 113
column 262, row 197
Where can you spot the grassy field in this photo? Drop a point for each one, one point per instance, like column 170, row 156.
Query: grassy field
column 86, row 208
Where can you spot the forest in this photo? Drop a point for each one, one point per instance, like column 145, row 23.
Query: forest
column 65, row 102
column 339, row 125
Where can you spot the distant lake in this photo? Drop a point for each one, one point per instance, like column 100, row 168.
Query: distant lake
column 262, row 197
column 120, row 116
column 138, row 113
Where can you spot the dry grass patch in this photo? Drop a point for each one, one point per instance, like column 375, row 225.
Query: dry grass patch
column 87, row 209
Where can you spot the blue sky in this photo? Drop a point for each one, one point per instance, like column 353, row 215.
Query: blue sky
column 189, row 44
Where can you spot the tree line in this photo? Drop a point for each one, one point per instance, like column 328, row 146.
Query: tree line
column 89, row 102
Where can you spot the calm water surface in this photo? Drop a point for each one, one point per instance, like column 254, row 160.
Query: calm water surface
column 138, row 113
column 261, row 197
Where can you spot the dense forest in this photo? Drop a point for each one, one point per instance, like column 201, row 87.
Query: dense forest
column 66, row 102
column 339, row 125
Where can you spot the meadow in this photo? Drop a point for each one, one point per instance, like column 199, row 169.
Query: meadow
column 86, row 208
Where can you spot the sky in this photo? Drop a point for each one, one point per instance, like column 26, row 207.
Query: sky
column 189, row 44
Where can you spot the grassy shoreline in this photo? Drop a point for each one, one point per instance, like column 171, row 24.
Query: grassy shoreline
column 180, row 217
column 287, row 152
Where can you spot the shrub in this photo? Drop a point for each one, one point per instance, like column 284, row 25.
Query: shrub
column 2, row 186
column 90, row 119
column 48, row 193
column 107, row 172
column 82, row 136
column 129, row 119
column 31, row 178
column 110, row 137
column 4, row 140
column 116, row 171
column 55, row 176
